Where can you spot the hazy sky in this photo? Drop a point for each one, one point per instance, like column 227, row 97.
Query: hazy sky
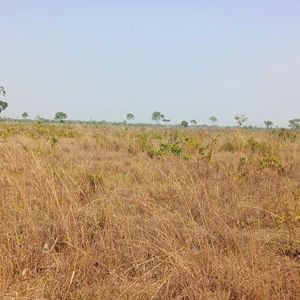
column 188, row 59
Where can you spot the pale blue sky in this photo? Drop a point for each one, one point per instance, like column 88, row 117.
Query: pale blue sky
column 188, row 59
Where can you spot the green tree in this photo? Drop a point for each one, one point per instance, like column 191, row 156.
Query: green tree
column 240, row 119
column 194, row 122
column 60, row 116
column 268, row 123
column 184, row 124
column 213, row 119
column 294, row 123
column 130, row 117
column 3, row 104
column 157, row 116
column 25, row 115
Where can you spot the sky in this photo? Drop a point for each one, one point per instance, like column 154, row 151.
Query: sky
column 188, row 59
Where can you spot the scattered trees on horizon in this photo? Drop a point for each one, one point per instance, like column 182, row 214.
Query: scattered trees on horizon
column 60, row 116
column 240, row 119
column 268, row 124
column 157, row 116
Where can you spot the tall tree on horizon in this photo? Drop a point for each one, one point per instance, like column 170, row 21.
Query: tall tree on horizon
column 157, row 116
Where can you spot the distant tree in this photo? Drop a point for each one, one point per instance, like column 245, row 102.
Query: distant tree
column 2, row 91
column 25, row 115
column 240, row 119
column 3, row 104
column 184, row 124
column 294, row 123
column 60, row 116
column 130, row 117
column 194, row 122
column 268, row 123
column 166, row 121
column 213, row 119
column 157, row 116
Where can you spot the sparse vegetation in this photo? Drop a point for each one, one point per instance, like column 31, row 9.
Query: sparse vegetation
column 102, row 212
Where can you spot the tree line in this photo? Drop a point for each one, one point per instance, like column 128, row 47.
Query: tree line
column 157, row 117
column 240, row 120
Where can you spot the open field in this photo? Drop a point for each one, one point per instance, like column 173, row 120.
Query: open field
column 91, row 212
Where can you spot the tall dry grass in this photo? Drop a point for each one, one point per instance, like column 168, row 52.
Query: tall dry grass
column 92, row 212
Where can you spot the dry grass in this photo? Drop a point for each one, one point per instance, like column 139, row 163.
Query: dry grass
column 92, row 212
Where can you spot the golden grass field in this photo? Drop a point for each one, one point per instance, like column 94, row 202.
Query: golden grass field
column 100, row 212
